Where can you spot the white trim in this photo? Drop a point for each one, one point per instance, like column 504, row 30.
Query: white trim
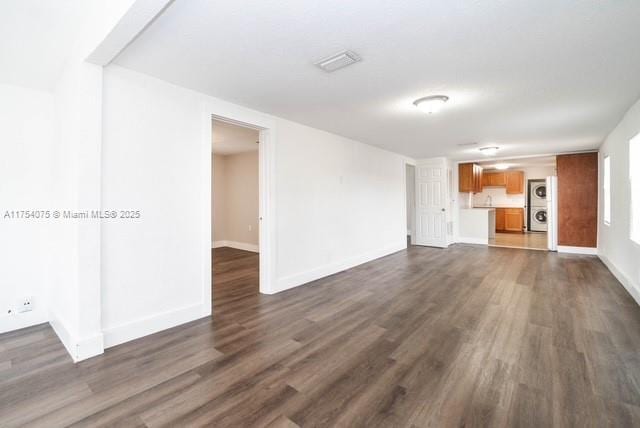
column 63, row 334
column 206, row 160
column 142, row 327
column 300, row 278
column 79, row 349
column 222, row 110
column 237, row 245
column 578, row 250
column 479, row 241
column 89, row 347
column 138, row 16
column 267, row 207
column 631, row 287
column 541, row 155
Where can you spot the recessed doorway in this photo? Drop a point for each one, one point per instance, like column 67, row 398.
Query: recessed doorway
column 235, row 213
column 410, row 192
column 517, row 190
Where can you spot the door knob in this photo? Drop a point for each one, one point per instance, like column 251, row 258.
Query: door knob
column 443, row 209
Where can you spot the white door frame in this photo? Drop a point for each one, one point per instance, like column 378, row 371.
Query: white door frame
column 223, row 111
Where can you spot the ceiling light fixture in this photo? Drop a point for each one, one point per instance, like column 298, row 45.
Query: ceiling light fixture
column 431, row 104
column 489, row 151
column 501, row 166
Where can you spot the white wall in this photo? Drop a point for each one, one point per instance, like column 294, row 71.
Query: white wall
column 75, row 262
column 338, row 203
column 151, row 276
column 75, row 255
column 499, row 197
column 235, row 205
column 26, row 133
column 615, row 247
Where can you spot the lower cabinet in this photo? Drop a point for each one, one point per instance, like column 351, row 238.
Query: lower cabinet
column 499, row 219
column 509, row 219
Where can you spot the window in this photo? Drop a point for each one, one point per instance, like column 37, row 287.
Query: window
column 607, row 190
column 634, row 177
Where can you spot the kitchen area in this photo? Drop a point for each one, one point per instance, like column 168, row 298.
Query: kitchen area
column 504, row 203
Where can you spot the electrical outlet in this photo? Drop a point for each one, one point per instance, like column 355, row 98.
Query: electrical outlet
column 24, row 305
column 250, row 228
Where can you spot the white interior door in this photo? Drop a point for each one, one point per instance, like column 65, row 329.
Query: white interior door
column 431, row 204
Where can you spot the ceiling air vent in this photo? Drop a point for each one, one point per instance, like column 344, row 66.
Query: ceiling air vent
column 338, row 61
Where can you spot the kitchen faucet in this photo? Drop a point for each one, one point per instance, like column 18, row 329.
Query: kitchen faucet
column 489, row 201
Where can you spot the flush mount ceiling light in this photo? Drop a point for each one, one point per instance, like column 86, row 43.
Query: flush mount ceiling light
column 431, row 104
column 501, row 166
column 489, row 151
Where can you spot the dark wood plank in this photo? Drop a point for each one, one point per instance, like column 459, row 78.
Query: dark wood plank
column 467, row 336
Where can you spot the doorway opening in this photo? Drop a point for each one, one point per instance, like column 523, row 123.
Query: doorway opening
column 410, row 175
column 235, row 213
column 518, row 190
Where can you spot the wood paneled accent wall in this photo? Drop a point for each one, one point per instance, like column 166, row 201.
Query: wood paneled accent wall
column 578, row 200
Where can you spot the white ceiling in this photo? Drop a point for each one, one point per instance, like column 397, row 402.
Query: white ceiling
column 528, row 162
column 530, row 76
column 35, row 38
column 229, row 139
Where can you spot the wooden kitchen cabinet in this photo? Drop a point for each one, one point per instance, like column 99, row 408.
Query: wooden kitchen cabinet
column 498, row 179
column 465, row 178
column 509, row 219
column 514, row 181
column 478, row 180
column 493, row 179
column 486, row 179
column 499, row 219
column 469, row 178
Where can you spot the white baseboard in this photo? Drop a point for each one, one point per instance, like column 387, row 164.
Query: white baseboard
column 479, row 241
column 301, row 278
column 143, row 327
column 78, row 348
column 16, row 321
column 237, row 245
column 632, row 288
column 578, row 250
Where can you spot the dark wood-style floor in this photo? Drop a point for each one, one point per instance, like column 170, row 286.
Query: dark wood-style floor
column 468, row 336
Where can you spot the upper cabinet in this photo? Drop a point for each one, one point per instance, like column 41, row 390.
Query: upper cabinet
column 514, row 182
column 472, row 179
column 477, row 170
column 494, row 179
column 469, row 178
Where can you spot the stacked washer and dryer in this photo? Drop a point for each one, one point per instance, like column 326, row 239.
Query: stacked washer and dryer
column 538, row 218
